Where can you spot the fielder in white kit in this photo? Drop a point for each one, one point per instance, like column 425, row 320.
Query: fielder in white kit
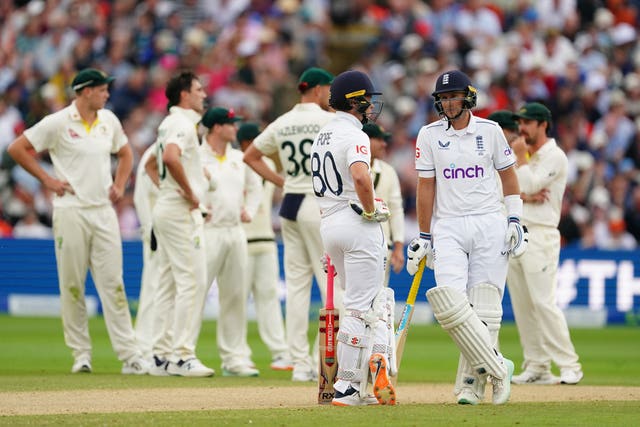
column 532, row 279
column 178, row 225
column 353, row 238
column 291, row 136
column 263, row 274
column 81, row 139
column 144, row 198
column 463, row 233
column 233, row 202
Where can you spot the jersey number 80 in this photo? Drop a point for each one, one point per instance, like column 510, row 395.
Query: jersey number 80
column 325, row 175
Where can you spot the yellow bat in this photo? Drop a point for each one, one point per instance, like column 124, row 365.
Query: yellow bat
column 407, row 314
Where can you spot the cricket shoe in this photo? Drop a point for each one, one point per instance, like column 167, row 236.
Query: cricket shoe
column 570, row 376
column 502, row 387
column 81, row 366
column 468, row 397
column 240, row 371
column 281, row 363
column 351, row 397
column 189, row 368
column 159, row 367
column 135, row 366
column 302, row 375
column 383, row 390
column 539, row 378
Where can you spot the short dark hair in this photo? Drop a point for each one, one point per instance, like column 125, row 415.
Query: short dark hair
column 177, row 84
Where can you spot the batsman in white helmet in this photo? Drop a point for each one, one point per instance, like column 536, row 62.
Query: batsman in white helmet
column 463, row 233
column 353, row 238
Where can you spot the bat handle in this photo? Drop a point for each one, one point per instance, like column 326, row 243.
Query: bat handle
column 330, row 275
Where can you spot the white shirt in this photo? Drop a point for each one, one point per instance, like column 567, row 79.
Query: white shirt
column 291, row 136
column 464, row 163
column 80, row 155
column 339, row 144
column 238, row 187
column 547, row 168
column 145, row 192
column 180, row 128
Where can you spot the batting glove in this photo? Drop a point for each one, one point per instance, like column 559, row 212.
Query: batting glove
column 380, row 212
column 325, row 264
column 419, row 248
column 517, row 237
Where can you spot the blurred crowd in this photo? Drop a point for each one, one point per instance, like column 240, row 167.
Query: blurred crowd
column 581, row 58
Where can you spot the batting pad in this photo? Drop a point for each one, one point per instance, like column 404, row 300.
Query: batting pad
column 454, row 313
column 486, row 301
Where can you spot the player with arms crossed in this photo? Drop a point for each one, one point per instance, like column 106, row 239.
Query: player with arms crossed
column 291, row 136
column 464, row 234
column 353, row 238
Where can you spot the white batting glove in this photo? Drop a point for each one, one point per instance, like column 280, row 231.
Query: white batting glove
column 419, row 248
column 517, row 237
column 380, row 212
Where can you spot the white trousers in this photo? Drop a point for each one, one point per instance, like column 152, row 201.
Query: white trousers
column 180, row 296
column 532, row 281
column 470, row 250
column 148, row 288
column 303, row 251
column 262, row 278
column 357, row 250
column 227, row 262
column 89, row 238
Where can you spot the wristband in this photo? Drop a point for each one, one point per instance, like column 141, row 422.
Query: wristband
column 513, row 204
column 426, row 236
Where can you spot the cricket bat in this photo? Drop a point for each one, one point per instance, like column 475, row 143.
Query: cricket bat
column 405, row 320
column 328, row 324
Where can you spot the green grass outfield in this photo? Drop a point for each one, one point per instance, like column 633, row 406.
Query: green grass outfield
column 33, row 358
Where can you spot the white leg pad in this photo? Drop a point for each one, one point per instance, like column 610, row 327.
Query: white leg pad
column 384, row 341
column 354, row 343
column 486, row 300
column 454, row 313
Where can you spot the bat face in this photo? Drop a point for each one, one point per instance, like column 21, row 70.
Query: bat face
column 329, row 320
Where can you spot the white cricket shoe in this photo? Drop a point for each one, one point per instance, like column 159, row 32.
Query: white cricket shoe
column 468, row 397
column 383, row 390
column 302, row 375
column 159, row 367
column 82, row 365
column 502, row 387
column 539, row 378
column 351, row 397
column 281, row 363
column 570, row 376
column 189, row 368
column 135, row 366
column 240, row 371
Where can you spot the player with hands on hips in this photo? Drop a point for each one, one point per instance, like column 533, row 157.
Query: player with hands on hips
column 464, row 233
column 353, row 238
column 80, row 139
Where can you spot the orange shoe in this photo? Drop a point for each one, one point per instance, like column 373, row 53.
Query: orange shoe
column 383, row 390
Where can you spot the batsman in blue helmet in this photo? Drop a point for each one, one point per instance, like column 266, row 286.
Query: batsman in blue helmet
column 464, row 233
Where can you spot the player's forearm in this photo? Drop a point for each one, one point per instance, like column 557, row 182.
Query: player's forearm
column 177, row 172
column 124, row 168
column 363, row 185
column 425, row 197
column 18, row 150
column 510, row 183
column 253, row 157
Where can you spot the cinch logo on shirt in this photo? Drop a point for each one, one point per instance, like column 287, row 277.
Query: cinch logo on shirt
column 453, row 172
